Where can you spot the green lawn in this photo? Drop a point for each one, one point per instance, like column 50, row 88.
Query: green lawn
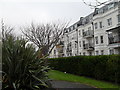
column 57, row 75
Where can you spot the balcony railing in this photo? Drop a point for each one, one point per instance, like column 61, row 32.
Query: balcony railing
column 114, row 39
column 61, row 51
column 88, row 33
column 88, row 46
column 59, row 48
column 61, row 43
column 69, row 49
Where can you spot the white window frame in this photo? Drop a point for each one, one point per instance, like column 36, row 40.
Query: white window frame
column 102, row 52
column 97, row 52
column 119, row 18
column 111, row 51
column 79, row 32
column 96, row 25
column 101, row 39
column 80, row 43
column 96, row 40
column 109, row 21
column 100, row 23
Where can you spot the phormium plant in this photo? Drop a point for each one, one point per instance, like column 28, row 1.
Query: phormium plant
column 22, row 69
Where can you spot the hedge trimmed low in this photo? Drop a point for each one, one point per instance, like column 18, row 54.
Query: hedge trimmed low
column 104, row 67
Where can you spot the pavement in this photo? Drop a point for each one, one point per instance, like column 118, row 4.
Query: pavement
column 63, row 85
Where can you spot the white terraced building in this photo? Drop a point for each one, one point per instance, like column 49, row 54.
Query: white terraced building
column 96, row 34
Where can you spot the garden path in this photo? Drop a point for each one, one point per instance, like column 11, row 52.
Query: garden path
column 70, row 85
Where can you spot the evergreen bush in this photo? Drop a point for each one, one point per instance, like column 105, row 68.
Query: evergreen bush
column 103, row 67
column 21, row 68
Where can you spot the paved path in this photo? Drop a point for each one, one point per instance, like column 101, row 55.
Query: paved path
column 70, row 85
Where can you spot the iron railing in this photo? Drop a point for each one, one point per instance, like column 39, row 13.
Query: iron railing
column 88, row 46
column 88, row 33
column 114, row 39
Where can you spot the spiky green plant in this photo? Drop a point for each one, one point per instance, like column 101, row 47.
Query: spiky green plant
column 22, row 69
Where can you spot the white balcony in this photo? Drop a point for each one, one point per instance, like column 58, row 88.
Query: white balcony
column 88, row 46
column 88, row 34
column 114, row 41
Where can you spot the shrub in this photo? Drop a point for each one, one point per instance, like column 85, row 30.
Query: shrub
column 113, row 68
column 21, row 67
column 104, row 67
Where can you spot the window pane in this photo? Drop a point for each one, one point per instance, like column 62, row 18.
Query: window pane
column 109, row 21
column 101, row 37
column 111, row 51
column 96, row 40
column 83, row 31
column 80, row 43
column 79, row 33
column 84, row 53
column 97, row 53
column 119, row 18
column 95, row 25
column 102, row 52
column 89, row 28
column 100, row 24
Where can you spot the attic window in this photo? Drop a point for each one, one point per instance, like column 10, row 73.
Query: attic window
column 72, row 28
column 75, row 25
column 100, row 11
column 78, row 25
column 69, row 29
column 111, row 6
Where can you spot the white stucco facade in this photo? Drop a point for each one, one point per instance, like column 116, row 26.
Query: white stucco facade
column 96, row 34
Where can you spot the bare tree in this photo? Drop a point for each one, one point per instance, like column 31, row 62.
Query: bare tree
column 45, row 36
column 97, row 3
column 6, row 30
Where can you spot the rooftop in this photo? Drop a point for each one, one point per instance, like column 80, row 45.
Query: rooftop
column 89, row 18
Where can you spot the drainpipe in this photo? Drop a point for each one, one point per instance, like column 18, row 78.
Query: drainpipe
column 77, row 41
column 93, row 37
column 119, row 22
column 119, row 7
column 67, row 45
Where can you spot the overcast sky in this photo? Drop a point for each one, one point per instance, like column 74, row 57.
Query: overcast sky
column 22, row 12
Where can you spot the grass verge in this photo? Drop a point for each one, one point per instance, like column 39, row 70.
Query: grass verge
column 57, row 75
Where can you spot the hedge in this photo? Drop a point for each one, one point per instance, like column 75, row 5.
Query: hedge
column 104, row 67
